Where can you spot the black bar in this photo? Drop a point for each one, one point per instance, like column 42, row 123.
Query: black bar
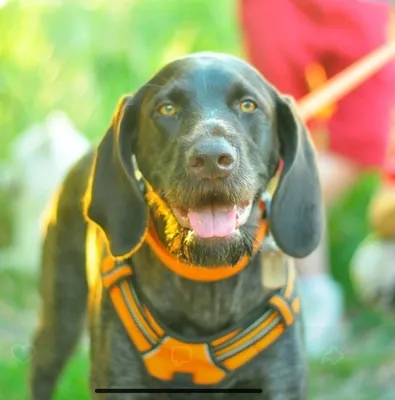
column 178, row 390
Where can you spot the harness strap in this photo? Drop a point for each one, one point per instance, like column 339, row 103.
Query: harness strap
column 208, row 361
column 244, row 345
column 143, row 335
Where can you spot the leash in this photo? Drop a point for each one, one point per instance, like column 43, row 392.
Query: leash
column 344, row 82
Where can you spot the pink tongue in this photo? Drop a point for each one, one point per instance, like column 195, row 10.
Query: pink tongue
column 213, row 223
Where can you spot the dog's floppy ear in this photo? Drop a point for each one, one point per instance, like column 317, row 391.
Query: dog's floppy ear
column 296, row 218
column 114, row 200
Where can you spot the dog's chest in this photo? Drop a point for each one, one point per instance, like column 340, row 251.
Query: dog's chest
column 193, row 308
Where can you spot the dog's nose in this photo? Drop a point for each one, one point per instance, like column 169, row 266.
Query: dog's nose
column 212, row 158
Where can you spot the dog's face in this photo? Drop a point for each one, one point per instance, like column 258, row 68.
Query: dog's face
column 207, row 145
column 208, row 133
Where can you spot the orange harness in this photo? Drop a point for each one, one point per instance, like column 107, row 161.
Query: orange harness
column 210, row 361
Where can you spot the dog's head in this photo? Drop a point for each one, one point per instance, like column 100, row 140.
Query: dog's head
column 208, row 133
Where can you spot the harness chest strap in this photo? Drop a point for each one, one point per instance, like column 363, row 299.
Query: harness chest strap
column 208, row 362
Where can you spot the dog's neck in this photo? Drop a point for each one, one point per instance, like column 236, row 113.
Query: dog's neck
column 191, row 307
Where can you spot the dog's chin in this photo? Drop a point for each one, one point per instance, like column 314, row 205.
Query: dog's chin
column 216, row 252
column 213, row 236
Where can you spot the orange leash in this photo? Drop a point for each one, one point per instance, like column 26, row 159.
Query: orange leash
column 344, row 82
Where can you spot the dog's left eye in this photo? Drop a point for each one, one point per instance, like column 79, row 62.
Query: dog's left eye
column 168, row 109
column 248, row 106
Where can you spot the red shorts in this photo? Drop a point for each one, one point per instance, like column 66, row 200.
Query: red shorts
column 283, row 37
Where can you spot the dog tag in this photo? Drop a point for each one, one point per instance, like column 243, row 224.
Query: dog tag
column 274, row 267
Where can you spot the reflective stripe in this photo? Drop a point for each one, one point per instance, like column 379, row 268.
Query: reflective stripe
column 128, row 322
column 252, row 351
column 243, row 332
column 139, row 321
column 255, row 338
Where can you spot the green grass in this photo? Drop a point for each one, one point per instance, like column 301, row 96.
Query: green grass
column 18, row 289
column 73, row 384
column 19, row 299
column 363, row 367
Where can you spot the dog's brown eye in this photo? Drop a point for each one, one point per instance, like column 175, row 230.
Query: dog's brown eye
column 168, row 110
column 248, row 106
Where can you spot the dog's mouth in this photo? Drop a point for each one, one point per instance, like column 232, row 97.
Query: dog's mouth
column 214, row 221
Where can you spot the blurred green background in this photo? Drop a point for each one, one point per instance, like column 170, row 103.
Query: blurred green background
column 80, row 57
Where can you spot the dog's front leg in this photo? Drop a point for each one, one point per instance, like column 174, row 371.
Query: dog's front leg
column 284, row 367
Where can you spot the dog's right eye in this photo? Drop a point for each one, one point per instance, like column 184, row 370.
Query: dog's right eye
column 248, row 106
column 167, row 110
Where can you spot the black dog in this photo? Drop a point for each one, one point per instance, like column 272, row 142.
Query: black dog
column 185, row 266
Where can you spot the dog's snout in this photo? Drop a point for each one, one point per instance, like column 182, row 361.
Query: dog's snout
column 212, row 158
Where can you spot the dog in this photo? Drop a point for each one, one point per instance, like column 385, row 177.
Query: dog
column 159, row 236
